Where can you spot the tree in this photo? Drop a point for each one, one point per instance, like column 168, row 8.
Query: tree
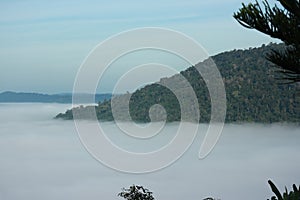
column 136, row 192
column 281, row 22
column 292, row 195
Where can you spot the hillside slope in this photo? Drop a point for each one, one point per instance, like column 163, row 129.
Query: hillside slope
column 253, row 94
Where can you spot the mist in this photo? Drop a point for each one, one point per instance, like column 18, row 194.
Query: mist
column 43, row 158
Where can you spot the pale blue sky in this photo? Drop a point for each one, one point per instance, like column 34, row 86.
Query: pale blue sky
column 43, row 43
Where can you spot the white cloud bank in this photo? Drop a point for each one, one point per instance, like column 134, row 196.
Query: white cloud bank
column 43, row 158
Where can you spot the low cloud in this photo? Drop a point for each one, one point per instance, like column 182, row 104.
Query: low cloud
column 42, row 158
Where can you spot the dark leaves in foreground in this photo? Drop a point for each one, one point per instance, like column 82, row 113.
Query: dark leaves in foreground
column 281, row 22
column 136, row 192
column 292, row 195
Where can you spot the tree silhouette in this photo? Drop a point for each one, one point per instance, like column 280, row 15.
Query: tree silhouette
column 281, row 22
column 136, row 192
column 287, row 195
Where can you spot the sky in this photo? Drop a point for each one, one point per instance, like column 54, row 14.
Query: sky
column 43, row 43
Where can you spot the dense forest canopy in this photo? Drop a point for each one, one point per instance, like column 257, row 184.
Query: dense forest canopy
column 252, row 93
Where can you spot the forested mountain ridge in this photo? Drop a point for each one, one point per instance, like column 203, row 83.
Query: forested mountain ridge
column 30, row 97
column 253, row 94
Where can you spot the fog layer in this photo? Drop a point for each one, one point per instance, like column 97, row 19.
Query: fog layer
column 43, row 158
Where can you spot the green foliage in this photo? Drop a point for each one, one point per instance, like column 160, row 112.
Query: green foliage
column 251, row 92
column 281, row 22
column 292, row 195
column 136, row 192
column 141, row 101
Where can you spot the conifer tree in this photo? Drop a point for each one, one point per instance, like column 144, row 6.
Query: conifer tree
column 281, row 22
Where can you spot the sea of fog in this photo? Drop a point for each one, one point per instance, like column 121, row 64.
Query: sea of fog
column 43, row 158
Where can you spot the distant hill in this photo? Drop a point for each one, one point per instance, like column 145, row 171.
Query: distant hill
column 252, row 91
column 22, row 97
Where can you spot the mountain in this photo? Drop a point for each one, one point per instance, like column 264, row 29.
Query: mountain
column 253, row 93
column 21, row 97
